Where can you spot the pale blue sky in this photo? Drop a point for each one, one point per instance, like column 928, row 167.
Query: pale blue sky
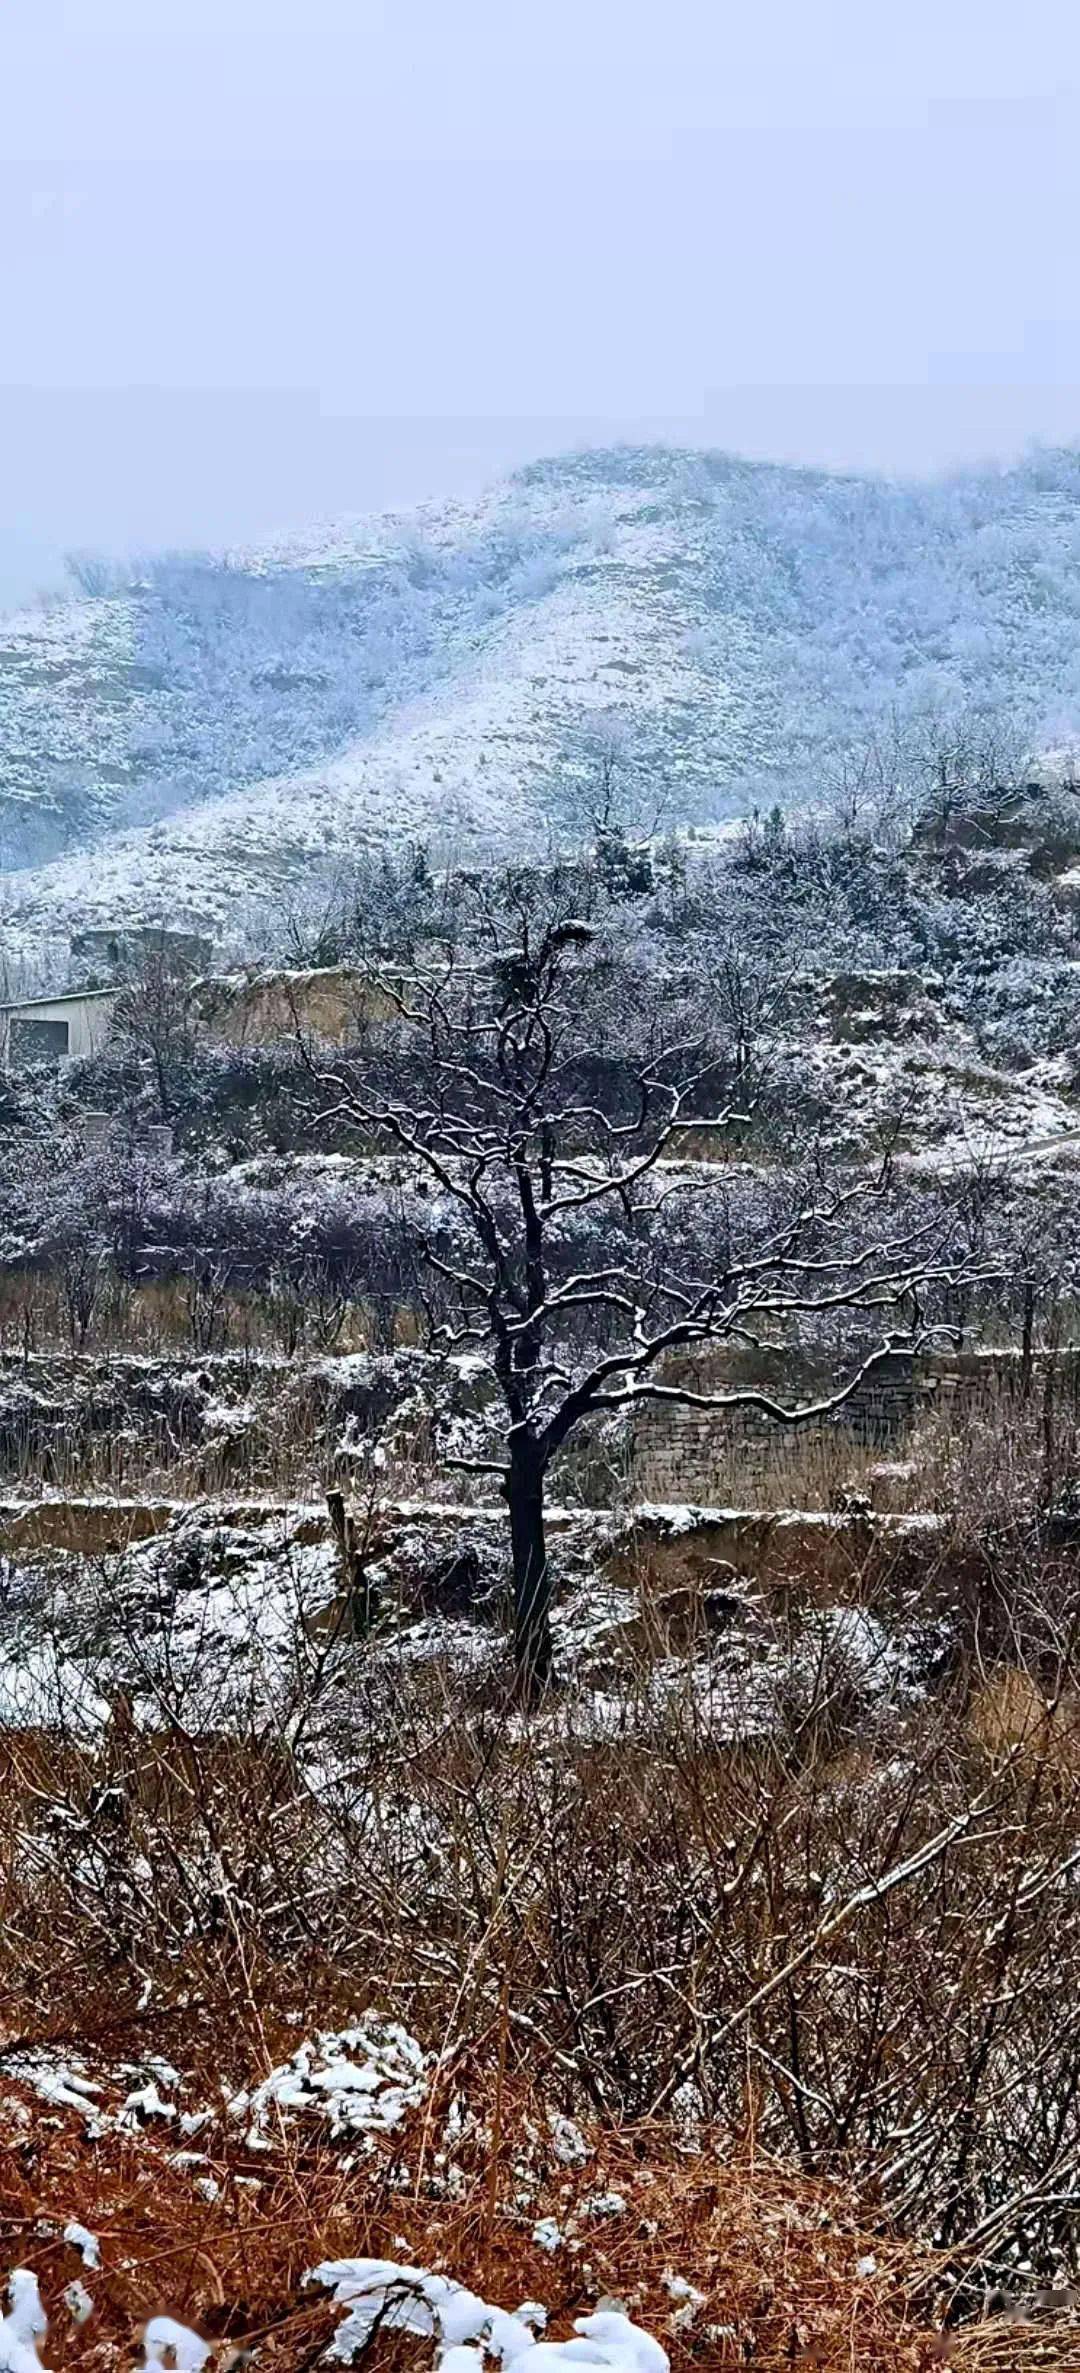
column 261, row 260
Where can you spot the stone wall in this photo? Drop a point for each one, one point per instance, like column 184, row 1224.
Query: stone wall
column 687, row 1453
column 680, row 1454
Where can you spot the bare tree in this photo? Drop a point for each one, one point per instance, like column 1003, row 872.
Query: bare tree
column 556, row 1247
column 156, row 1019
column 751, row 991
column 973, row 767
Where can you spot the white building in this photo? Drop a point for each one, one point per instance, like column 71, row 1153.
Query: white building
column 58, row 1029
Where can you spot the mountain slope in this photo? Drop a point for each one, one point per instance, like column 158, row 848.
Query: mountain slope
column 201, row 732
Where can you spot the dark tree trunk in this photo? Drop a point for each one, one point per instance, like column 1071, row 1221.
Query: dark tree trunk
column 359, row 1606
column 1027, row 1340
column 532, row 1574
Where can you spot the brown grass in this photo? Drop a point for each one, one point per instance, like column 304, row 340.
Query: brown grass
column 597, row 1919
column 774, row 2254
column 1047, row 2345
column 1010, row 1714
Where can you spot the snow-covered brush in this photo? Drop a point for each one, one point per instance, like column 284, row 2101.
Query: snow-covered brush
column 24, row 2326
column 360, row 2080
column 169, row 2347
column 381, row 2295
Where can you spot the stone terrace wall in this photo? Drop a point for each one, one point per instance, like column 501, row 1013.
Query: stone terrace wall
column 679, row 1454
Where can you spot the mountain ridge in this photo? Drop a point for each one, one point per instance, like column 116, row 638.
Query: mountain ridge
column 194, row 732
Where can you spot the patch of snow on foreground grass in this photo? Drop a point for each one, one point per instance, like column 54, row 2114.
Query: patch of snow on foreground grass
column 358, row 2081
column 23, row 2326
column 381, row 2295
column 22, row 2331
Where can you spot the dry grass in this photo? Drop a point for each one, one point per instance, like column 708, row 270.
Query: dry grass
column 790, row 2270
column 165, row 1315
column 857, row 1925
column 774, row 2255
column 199, row 1429
column 608, row 1918
column 1049, row 2344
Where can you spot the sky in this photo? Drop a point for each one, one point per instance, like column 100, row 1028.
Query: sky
column 268, row 261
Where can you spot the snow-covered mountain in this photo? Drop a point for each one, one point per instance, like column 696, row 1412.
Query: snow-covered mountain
column 198, row 733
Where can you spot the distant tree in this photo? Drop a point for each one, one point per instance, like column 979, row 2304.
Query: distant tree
column 553, row 1250
column 95, row 574
column 387, row 905
column 155, row 1020
column 764, row 845
column 970, row 765
column 610, row 810
column 751, row 993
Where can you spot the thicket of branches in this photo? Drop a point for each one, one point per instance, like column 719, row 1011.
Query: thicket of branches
column 853, row 1936
column 546, row 1087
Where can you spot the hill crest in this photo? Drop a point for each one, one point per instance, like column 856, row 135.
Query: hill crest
column 193, row 731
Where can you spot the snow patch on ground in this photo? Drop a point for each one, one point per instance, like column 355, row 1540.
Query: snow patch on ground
column 359, row 2080
column 379, row 2294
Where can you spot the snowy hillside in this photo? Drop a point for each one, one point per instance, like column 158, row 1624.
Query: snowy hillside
column 199, row 732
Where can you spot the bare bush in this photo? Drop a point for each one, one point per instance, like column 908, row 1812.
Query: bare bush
column 847, row 1922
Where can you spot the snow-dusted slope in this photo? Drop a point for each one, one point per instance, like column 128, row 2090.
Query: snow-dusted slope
column 210, row 731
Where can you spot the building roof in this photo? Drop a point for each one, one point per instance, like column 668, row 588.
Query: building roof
column 59, row 997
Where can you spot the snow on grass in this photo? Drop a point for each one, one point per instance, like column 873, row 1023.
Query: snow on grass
column 169, row 2347
column 40, row 1686
column 87, row 2244
column 380, row 2294
column 63, row 2082
column 358, row 2080
column 108, row 2102
column 24, row 2326
column 567, row 2140
column 143, row 2103
column 78, row 2302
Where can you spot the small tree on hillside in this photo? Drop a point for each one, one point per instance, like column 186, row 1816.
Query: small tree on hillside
column 547, row 1091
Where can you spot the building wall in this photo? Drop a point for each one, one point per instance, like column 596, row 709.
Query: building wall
column 87, row 1020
